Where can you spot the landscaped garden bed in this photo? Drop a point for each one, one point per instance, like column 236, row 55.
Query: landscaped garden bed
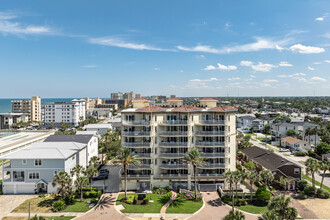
column 185, row 203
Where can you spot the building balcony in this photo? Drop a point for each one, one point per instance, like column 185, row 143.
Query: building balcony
column 139, row 167
column 171, row 155
column 212, row 166
column 173, row 144
column 209, row 143
column 173, row 133
column 203, row 175
column 136, row 133
column 143, row 155
column 211, row 122
column 172, row 176
column 136, row 176
column 136, row 144
column 212, row 155
column 173, row 166
column 209, row 133
column 141, row 122
column 174, row 122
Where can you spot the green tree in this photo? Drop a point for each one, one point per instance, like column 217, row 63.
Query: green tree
column 77, row 170
column 312, row 166
column 239, row 177
column 269, row 216
column 94, row 161
column 251, row 130
column 267, row 177
column 230, row 177
column 267, row 129
column 52, row 124
column 252, row 176
column 80, row 183
column 249, row 165
column 90, row 172
column 324, row 167
column 280, row 206
column 63, row 182
column 322, row 148
column 126, row 157
column 194, row 158
column 315, row 131
column 65, row 126
column 291, row 133
column 284, row 182
column 234, row 215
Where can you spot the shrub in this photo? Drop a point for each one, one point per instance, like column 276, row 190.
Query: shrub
column 42, row 195
column 69, row 200
column 91, row 194
column 263, row 194
column 300, row 154
column 309, row 190
column 302, row 195
column 131, row 199
column 58, row 205
column 160, row 191
column 99, row 194
column 302, row 184
column 322, row 194
column 89, row 189
column 311, row 153
column 168, row 188
column 240, row 202
column 146, row 200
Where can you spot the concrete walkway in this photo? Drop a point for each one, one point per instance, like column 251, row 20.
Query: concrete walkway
column 163, row 210
column 46, row 214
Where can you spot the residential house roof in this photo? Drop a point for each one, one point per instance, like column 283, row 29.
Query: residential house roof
column 98, row 126
column 208, row 99
column 291, row 140
column 69, row 138
column 223, row 108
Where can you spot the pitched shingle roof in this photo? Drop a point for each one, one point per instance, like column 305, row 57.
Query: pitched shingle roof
column 291, row 140
column 69, row 138
column 208, row 99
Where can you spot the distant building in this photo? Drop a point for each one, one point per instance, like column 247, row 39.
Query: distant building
column 116, row 96
column 120, row 102
column 172, row 96
column 91, row 103
column 138, row 96
column 129, row 96
column 7, row 120
column 68, row 112
column 32, row 107
column 100, row 128
column 107, row 106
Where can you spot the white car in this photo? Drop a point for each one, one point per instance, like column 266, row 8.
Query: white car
column 284, row 150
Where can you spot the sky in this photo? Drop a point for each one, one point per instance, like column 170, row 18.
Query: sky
column 188, row 48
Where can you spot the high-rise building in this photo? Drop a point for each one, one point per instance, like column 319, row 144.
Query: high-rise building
column 91, row 103
column 172, row 96
column 68, row 112
column 32, row 107
column 138, row 96
column 129, row 96
column 160, row 137
column 116, row 96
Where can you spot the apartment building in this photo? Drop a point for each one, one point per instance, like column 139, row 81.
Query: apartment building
column 129, row 96
column 160, row 136
column 68, row 112
column 7, row 120
column 32, row 107
column 117, row 96
column 92, row 103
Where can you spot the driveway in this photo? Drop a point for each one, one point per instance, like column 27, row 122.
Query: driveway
column 112, row 183
column 9, row 202
column 214, row 209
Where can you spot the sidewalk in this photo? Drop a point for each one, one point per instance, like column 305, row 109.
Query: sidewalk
column 46, row 214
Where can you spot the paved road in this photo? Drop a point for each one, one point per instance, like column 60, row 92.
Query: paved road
column 112, row 183
column 318, row 177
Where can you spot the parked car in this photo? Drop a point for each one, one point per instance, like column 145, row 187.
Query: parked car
column 266, row 140
column 284, row 150
column 100, row 177
column 103, row 172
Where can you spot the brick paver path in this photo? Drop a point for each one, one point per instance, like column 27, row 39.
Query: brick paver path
column 163, row 210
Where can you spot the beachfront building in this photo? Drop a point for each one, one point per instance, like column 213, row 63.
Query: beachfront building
column 160, row 136
column 31, row 107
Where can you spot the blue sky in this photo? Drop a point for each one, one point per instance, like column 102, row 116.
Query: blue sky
column 188, row 48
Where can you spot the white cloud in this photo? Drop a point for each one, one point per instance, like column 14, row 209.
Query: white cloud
column 253, row 76
column 311, row 68
column 260, row 44
column 7, row 26
column 204, row 80
column 201, row 57
column 306, row 49
column 89, row 66
column 156, row 69
column 292, row 75
column 317, row 79
column 262, row 67
column 234, row 79
column 319, row 19
column 117, row 42
column 317, row 63
column 220, row 67
column 327, row 61
column 285, row 63
column 299, row 74
column 265, row 85
column 270, row 81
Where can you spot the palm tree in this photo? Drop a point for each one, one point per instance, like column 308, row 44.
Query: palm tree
column 94, row 161
column 280, row 206
column 229, row 176
column 234, row 215
column 239, row 177
column 308, row 132
column 315, row 131
column 51, row 124
column 267, row 177
column 80, row 183
column 90, row 172
column 64, row 182
column 77, row 170
column 324, row 166
column 312, row 166
column 252, row 176
column 126, row 158
column 194, row 158
column 269, row 216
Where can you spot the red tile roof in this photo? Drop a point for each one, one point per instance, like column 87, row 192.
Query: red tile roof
column 141, row 99
column 291, row 140
column 223, row 108
column 152, row 108
column 174, row 99
column 208, row 99
column 186, row 108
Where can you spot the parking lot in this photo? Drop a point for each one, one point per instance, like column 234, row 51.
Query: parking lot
column 111, row 184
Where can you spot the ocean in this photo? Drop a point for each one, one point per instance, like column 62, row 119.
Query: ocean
column 5, row 104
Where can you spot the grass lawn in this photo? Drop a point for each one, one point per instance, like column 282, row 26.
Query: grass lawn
column 77, row 206
column 260, row 139
column 152, row 207
column 180, row 205
column 316, row 182
column 47, row 218
column 253, row 209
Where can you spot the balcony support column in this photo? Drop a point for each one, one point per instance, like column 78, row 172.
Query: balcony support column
column 189, row 181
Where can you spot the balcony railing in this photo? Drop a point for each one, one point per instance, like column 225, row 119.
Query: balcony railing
column 173, row 144
column 212, row 122
column 171, row 155
column 209, row 174
column 143, row 155
column 136, row 144
column 172, row 176
column 175, row 122
column 141, row 122
column 141, row 166
column 212, row 165
column 130, row 176
column 173, row 166
column 213, row 154
column 210, row 143
column 136, row 133
column 174, row 133
column 210, row 132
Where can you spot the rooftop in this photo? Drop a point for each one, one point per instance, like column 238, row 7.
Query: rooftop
column 69, row 138
column 208, row 99
column 291, row 140
column 98, row 126
column 153, row 108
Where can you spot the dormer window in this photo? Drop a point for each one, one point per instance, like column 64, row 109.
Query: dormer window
column 37, row 162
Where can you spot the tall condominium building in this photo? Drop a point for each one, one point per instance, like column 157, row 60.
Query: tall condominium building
column 32, row 107
column 92, row 103
column 160, row 137
column 129, row 96
column 116, row 96
column 67, row 112
column 138, row 96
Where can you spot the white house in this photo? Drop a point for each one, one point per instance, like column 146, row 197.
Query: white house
column 100, row 128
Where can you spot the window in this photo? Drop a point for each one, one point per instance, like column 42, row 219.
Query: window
column 296, row 170
column 23, row 161
column 37, row 163
column 33, row 176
